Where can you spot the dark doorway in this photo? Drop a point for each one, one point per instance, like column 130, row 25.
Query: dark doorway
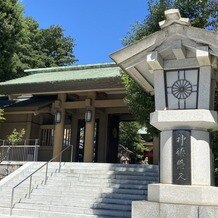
column 81, row 141
column 113, row 139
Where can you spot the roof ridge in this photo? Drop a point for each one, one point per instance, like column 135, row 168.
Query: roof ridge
column 68, row 68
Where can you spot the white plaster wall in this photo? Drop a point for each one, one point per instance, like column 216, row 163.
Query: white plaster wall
column 166, row 157
column 200, row 158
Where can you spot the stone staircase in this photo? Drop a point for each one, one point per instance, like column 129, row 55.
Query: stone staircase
column 79, row 190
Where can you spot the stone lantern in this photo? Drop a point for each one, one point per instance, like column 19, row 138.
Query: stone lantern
column 178, row 64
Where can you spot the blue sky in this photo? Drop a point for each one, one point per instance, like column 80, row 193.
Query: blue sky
column 97, row 26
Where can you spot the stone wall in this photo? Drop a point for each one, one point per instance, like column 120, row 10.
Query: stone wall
column 7, row 168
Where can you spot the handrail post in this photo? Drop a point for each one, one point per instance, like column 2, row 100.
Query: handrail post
column 12, row 201
column 59, row 170
column 35, row 153
column 46, row 173
column 71, row 154
column 30, row 186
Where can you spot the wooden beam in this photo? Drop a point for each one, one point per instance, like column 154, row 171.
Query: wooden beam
column 110, row 103
column 74, row 105
column 18, row 112
column 117, row 110
column 97, row 103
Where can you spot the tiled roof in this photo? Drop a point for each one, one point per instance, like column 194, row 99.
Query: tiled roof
column 35, row 101
column 81, row 77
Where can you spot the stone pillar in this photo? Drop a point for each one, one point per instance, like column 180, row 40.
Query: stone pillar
column 200, row 153
column 89, row 132
column 59, row 127
column 166, row 157
column 200, row 158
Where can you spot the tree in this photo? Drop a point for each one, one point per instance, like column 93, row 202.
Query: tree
column 11, row 30
column 1, row 115
column 214, row 140
column 57, row 47
column 140, row 103
column 23, row 45
column 16, row 137
column 202, row 14
column 129, row 137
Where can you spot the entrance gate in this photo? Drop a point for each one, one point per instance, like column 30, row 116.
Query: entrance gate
column 81, row 141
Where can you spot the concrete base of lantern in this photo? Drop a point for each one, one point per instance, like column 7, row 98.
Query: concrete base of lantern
column 183, row 194
column 148, row 209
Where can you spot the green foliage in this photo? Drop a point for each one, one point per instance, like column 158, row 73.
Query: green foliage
column 129, row 137
column 150, row 24
column 16, row 137
column 1, row 115
column 11, row 26
column 56, row 46
column 140, row 103
column 214, row 139
column 202, row 14
column 23, row 45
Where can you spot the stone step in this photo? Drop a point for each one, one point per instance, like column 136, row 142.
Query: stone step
column 6, row 202
column 22, row 186
column 102, row 171
column 71, row 190
column 71, row 201
column 103, row 185
column 79, row 190
column 84, row 195
column 57, row 206
column 108, row 169
column 38, row 211
column 21, row 213
column 100, row 181
column 110, row 175
column 109, row 166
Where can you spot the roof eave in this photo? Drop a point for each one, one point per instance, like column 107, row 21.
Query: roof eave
column 131, row 56
column 114, row 83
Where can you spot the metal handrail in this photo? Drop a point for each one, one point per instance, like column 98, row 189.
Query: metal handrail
column 46, row 175
column 18, row 152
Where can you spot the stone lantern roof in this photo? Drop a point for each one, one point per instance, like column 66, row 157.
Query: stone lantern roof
column 177, row 44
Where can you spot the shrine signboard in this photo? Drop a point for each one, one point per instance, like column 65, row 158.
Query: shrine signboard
column 181, row 157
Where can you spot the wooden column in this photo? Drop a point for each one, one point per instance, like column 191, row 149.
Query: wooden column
column 28, row 126
column 102, row 143
column 74, row 130
column 156, row 150
column 59, row 127
column 89, row 132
